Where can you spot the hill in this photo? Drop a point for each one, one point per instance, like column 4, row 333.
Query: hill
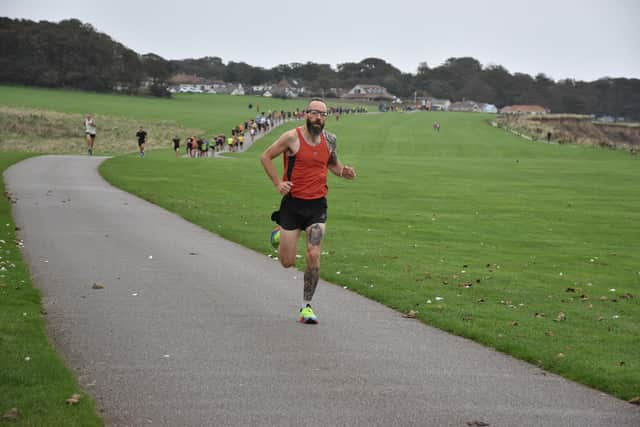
column 574, row 129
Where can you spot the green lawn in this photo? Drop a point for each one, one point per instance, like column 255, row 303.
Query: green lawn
column 211, row 113
column 482, row 233
column 33, row 378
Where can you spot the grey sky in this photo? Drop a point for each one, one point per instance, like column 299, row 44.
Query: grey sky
column 580, row 39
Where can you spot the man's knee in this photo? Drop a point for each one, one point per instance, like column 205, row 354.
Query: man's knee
column 286, row 262
column 313, row 254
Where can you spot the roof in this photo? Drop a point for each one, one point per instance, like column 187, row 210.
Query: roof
column 371, row 86
column 384, row 95
column 523, row 109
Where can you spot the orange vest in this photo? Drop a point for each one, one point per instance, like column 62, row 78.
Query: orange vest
column 307, row 169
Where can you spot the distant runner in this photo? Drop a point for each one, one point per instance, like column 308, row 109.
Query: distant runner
column 142, row 139
column 176, row 145
column 90, row 130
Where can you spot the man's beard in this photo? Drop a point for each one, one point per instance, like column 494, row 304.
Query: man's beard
column 314, row 129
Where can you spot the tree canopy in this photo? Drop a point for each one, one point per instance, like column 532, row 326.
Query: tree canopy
column 73, row 54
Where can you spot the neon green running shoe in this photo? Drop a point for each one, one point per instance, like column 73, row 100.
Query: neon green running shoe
column 307, row 315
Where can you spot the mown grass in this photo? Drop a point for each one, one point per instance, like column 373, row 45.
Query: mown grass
column 212, row 113
column 33, row 378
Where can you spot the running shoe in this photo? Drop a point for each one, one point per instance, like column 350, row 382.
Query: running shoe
column 307, row 315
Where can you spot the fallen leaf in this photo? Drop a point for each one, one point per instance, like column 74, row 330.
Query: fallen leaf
column 513, row 323
column 540, row 315
column 410, row 315
column 570, row 290
column 75, row 398
column 626, row 296
column 97, row 285
column 600, row 318
column 560, row 318
column 560, row 355
column 477, row 424
column 633, row 400
column 11, row 414
column 584, row 297
column 549, row 333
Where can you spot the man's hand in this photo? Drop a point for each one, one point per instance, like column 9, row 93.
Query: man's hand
column 348, row 172
column 285, row 187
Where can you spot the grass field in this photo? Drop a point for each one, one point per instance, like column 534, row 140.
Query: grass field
column 210, row 113
column 528, row 248
column 33, row 378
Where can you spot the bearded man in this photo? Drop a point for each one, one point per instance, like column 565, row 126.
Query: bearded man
column 309, row 152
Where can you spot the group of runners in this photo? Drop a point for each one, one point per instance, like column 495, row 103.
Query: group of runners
column 201, row 146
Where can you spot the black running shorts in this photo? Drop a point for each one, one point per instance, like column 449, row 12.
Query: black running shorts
column 298, row 214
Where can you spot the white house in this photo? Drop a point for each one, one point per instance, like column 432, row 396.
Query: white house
column 489, row 108
column 368, row 93
column 435, row 104
column 466, row 106
column 239, row 90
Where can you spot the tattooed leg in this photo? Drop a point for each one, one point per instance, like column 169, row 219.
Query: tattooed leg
column 315, row 234
column 311, row 277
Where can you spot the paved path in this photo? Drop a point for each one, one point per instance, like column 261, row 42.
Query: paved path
column 192, row 330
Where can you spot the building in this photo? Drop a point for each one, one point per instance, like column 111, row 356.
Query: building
column 489, row 108
column 466, row 106
column 363, row 92
column 435, row 104
column 523, row 109
column 238, row 90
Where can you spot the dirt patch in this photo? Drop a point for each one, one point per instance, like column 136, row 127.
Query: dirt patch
column 574, row 129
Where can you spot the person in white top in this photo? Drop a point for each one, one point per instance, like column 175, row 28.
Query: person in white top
column 90, row 130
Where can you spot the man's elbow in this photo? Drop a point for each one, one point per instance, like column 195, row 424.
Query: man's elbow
column 264, row 158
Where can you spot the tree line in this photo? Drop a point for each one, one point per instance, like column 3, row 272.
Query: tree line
column 73, row 54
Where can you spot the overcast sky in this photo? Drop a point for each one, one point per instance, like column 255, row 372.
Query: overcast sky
column 579, row 39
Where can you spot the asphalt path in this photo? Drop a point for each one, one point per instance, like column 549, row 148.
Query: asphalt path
column 193, row 330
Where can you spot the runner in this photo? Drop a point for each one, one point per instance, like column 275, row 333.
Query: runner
column 308, row 153
column 176, row 145
column 142, row 139
column 90, row 130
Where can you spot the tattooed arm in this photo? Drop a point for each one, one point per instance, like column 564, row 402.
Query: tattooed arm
column 336, row 165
